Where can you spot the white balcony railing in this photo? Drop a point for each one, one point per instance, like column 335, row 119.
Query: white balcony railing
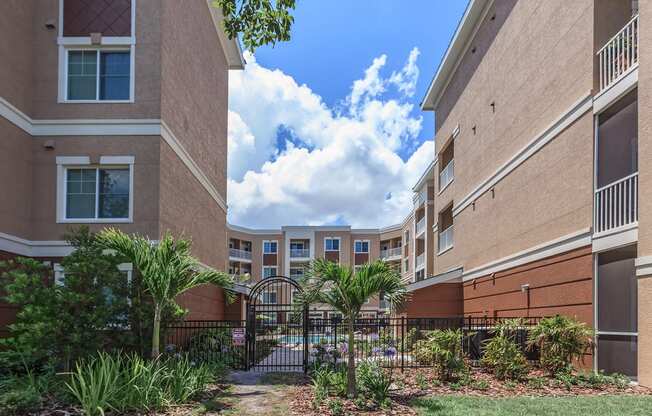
column 619, row 54
column 390, row 252
column 616, row 204
column 447, row 175
column 420, row 262
column 446, row 239
column 239, row 254
column 420, row 227
column 299, row 252
column 418, row 199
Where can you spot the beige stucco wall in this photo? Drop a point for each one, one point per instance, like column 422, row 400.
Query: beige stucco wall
column 645, row 192
column 16, row 39
column 147, row 69
column 145, row 150
column 533, row 74
column 15, row 180
column 194, row 87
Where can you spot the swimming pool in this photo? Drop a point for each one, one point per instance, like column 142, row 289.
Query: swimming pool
column 312, row 339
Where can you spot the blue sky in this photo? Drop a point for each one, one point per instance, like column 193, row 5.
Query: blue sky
column 311, row 81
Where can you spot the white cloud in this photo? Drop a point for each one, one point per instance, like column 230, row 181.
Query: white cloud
column 337, row 168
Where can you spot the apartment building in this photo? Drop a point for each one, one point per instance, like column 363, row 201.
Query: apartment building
column 114, row 114
column 541, row 171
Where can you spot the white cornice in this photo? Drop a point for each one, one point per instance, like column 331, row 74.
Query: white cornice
column 231, row 47
column 560, row 245
column 23, row 247
column 643, row 266
column 464, row 34
column 577, row 110
column 253, row 231
column 427, row 174
column 79, row 127
column 450, row 276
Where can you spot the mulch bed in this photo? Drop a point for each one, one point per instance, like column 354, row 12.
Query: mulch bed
column 413, row 383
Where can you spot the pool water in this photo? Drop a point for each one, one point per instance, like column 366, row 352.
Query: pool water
column 312, row 339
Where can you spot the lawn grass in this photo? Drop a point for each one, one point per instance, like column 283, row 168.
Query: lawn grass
column 544, row 406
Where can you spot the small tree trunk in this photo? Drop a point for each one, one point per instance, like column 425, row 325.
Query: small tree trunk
column 351, row 388
column 156, row 332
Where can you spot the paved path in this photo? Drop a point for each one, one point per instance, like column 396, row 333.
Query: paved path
column 259, row 393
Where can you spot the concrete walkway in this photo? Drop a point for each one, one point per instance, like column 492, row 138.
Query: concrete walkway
column 259, row 393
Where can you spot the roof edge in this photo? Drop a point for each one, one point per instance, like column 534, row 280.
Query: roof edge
column 230, row 47
column 466, row 30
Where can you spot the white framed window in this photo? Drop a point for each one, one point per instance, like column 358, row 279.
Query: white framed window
column 270, row 247
column 406, row 265
column 98, row 70
column 269, row 297
column 361, row 246
column 101, row 193
column 269, row 271
column 332, row 244
column 296, row 272
column 59, row 273
column 98, row 75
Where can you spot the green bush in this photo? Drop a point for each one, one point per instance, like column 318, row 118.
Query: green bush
column 125, row 383
column 560, row 340
column 443, row 349
column 502, row 355
column 374, row 382
column 336, row 406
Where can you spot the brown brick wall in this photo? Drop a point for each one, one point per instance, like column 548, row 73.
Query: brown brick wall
column 442, row 300
column 561, row 284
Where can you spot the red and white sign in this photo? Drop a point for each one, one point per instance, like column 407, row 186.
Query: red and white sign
column 238, row 335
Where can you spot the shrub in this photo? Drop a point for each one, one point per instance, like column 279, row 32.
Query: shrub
column 480, row 385
column 128, row 383
column 374, row 381
column 444, row 349
column 321, row 380
column 560, row 340
column 421, row 381
column 501, row 354
column 536, row 383
column 336, row 407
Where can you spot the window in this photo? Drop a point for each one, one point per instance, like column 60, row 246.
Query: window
column 296, row 272
column 98, row 75
column 297, row 245
column 269, row 297
column 97, row 193
column 269, row 272
column 270, row 247
column 332, row 244
column 362, row 246
column 406, row 265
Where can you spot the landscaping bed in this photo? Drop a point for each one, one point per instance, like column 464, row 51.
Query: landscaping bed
column 413, row 388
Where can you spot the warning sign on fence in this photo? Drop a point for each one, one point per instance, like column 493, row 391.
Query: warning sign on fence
column 238, row 335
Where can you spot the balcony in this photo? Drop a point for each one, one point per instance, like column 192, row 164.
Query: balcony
column 619, row 54
column 420, row 227
column 616, row 204
column 235, row 253
column 418, row 199
column 301, row 253
column 391, row 253
column 446, row 239
column 420, row 262
column 447, row 175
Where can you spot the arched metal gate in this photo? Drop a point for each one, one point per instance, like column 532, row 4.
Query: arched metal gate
column 277, row 327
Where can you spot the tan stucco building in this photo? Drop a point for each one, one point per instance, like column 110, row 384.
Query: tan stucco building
column 114, row 114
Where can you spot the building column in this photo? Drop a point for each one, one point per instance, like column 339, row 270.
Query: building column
column 644, row 261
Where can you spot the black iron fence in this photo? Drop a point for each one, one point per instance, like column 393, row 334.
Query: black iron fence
column 392, row 342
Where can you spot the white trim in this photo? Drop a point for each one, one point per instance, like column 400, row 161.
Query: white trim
column 627, row 82
column 66, row 162
column 117, row 160
column 64, row 51
column 560, row 245
column 79, row 127
column 339, row 244
column 362, row 241
column 445, row 277
column 28, row 248
column 439, row 253
column 643, row 266
column 547, row 135
column 270, row 241
column 185, row 157
column 427, row 174
column 466, row 30
column 615, row 238
column 246, row 230
column 230, row 47
column 617, row 333
column 105, row 41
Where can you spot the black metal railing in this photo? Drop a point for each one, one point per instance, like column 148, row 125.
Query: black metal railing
column 392, row 342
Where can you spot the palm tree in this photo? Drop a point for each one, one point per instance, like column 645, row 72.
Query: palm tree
column 167, row 270
column 347, row 290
